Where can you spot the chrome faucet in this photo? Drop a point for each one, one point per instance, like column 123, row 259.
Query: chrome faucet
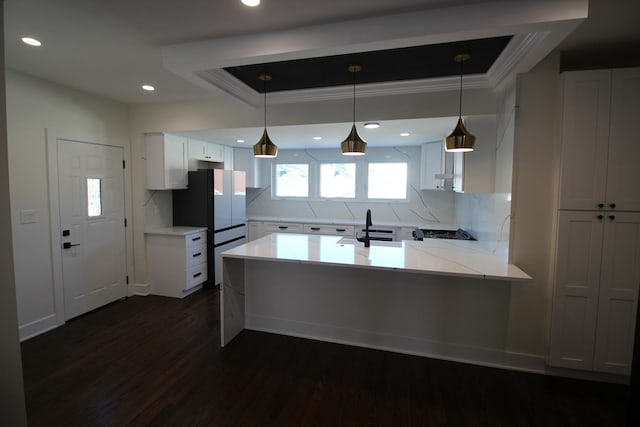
column 366, row 239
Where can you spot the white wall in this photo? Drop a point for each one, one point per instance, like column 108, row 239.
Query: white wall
column 421, row 208
column 535, row 174
column 33, row 106
column 12, row 404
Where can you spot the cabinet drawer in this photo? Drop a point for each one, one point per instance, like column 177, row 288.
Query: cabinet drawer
column 340, row 230
column 196, row 239
column 283, row 227
column 196, row 255
column 196, row 275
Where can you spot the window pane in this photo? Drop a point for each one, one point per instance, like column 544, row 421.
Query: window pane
column 387, row 181
column 338, row 180
column 292, row 180
column 94, row 197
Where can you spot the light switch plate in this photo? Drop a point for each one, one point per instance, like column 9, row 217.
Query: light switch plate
column 27, row 216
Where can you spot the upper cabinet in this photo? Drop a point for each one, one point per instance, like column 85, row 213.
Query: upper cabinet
column 166, row 156
column 435, row 167
column 204, row 151
column 599, row 140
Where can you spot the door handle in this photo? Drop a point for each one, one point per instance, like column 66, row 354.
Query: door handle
column 67, row 245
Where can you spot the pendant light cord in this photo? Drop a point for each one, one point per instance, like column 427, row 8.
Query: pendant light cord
column 354, row 97
column 264, row 88
column 460, row 103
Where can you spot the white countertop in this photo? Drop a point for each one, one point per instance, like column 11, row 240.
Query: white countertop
column 433, row 256
column 175, row 231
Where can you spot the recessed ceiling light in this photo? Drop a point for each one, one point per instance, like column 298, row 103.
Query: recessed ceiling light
column 148, row 87
column 31, row 41
column 240, row 140
column 405, row 134
column 317, row 138
column 251, row 3
column 372, row 125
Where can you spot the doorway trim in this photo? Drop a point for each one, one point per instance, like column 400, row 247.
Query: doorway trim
column 52, row 136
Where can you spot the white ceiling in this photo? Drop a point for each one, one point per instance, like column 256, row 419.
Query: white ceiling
column 111, row 47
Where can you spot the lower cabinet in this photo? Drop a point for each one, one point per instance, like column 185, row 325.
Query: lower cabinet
column 177, row 262
column 331, row 229
column 597, row 274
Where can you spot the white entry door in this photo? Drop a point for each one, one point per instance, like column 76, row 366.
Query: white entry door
column 91, row 201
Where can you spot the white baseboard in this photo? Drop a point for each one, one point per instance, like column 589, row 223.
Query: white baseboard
column 141, row 289
column 37, row 327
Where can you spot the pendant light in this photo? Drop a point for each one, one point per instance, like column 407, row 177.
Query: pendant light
column 265, row 148
column 460, row 139
column 353, row 145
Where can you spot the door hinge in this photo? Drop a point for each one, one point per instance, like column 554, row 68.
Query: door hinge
column 127, row 280
column 125, row 222
column 123, row 165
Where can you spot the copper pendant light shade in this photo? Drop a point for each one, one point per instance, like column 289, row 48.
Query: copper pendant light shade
column 354, row 145
column 265, row 148
column 460, row 140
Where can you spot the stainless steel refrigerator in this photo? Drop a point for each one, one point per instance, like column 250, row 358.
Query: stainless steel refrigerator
column 216, row 199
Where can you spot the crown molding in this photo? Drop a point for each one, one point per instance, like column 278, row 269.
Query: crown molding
column 230, row 85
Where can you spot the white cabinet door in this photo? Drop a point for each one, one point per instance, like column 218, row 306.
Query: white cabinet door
column 623, row 173
column 575, row 299
column 432, row 166
column 458, row 172
column 204, row 151
column 166, row 156
column 585, row 136
column 617, row 303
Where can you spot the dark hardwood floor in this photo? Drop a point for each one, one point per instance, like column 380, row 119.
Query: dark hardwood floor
column 158, row 361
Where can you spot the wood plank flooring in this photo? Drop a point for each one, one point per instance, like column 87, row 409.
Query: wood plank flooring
column 158, row 361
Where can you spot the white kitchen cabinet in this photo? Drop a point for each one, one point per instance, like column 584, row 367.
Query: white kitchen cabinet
column 166, row 157
column 255, row 230
column 435, row 167
column 203, row 151
column 595, row 291
column 458, row 173
column 177, row 261
column 331, row 229
column 599, row 140
column 282, row 227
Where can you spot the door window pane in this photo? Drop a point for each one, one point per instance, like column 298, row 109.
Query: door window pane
column 291, row 180
column 94, row 197
column 387, row 181
column 338, row 180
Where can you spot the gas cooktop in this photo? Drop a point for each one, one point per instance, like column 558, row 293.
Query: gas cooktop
column 459, row 234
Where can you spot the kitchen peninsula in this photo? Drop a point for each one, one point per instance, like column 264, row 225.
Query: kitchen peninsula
column 437, row 298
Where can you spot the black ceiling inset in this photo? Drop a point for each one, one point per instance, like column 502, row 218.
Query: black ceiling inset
column 411, row 63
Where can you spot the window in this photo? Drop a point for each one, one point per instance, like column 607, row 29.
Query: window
column 94, row 197
column 291, row 180
column 387, row 181
column 338, row 180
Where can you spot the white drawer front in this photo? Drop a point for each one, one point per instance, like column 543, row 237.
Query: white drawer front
column 340, row 230
column 196, row 275
column 283, row 227
column 196, row 255
column 196, row 239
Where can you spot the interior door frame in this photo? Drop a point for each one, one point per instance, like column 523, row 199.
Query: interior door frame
column 55, row 224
